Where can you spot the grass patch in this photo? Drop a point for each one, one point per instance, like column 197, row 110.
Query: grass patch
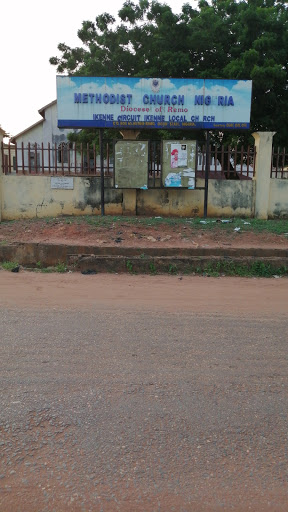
column 129, row 266
column 61, row 268
column 230, row 268
column 152, row 268
column 276, row 226
column 172, row 269
column 9, row 265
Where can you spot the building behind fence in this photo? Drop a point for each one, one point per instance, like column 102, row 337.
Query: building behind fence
column 84, row 160
column 243, row 181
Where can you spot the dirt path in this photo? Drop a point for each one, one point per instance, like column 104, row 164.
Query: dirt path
column 229, row 295
column 123, row 393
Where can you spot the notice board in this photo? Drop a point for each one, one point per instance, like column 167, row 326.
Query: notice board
column 178, row 163
column 131, row 164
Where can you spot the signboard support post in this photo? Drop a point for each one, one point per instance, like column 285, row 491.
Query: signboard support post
column 207, row 170
column 102, row 172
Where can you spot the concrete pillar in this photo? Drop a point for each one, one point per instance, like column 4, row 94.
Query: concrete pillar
column 1, row 172
column 263, row 143
column 129, row 206
column 130, row 134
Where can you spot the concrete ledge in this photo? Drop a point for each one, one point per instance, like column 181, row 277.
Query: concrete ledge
column 123, row 259
column 167, row 264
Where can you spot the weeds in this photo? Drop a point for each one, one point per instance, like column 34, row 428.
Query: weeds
column 231, row 268
column 152, row 268
column 277, row 226
column 61, row 268
column 9, row 265
column 129, row 266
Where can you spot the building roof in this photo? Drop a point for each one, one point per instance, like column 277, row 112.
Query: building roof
column 13, row 139
column 42, row 113
column 42, row 110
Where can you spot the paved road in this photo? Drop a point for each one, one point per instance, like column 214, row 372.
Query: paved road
column 151, row 394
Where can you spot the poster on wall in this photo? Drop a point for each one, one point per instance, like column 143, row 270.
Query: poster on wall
column 178, row 164
column 178, row 155
column 153, row 103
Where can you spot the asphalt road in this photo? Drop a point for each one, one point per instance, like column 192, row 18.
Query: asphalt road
column 151, row 394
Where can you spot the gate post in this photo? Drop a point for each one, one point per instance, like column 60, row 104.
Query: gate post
column 2, row 133
column 263, row 144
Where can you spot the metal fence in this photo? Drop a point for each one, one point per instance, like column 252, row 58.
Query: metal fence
column 227, row 162
column 66, row 159
column 279, row 163
column 58, row 159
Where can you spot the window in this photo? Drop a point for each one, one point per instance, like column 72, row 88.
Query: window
column 32, row 160
column 63, row 149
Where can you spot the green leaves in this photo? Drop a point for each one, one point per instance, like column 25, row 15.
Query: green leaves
column 221, row 39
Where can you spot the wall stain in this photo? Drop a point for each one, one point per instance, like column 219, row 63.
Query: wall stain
column 280, row 211
column 58, row 139
column 92, row 195
column 225, row 195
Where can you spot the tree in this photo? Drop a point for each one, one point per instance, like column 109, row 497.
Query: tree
column 222, row 39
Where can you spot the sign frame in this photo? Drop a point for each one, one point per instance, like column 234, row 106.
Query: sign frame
column 153, row 103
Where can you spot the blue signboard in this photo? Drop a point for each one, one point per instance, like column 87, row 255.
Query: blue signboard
column 147, row 103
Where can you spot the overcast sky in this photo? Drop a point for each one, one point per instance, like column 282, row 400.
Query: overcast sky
column 29, row 35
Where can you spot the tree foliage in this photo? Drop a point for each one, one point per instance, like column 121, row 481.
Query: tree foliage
column 220, row 39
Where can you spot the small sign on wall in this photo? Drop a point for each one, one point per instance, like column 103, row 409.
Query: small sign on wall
column 62, row 182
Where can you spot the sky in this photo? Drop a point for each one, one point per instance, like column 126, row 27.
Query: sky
column 29, row 36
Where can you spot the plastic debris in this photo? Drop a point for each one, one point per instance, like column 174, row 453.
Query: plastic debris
column 204, row 222
column 237, row 229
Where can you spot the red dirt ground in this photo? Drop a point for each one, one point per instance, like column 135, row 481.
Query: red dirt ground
column 65, row 231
